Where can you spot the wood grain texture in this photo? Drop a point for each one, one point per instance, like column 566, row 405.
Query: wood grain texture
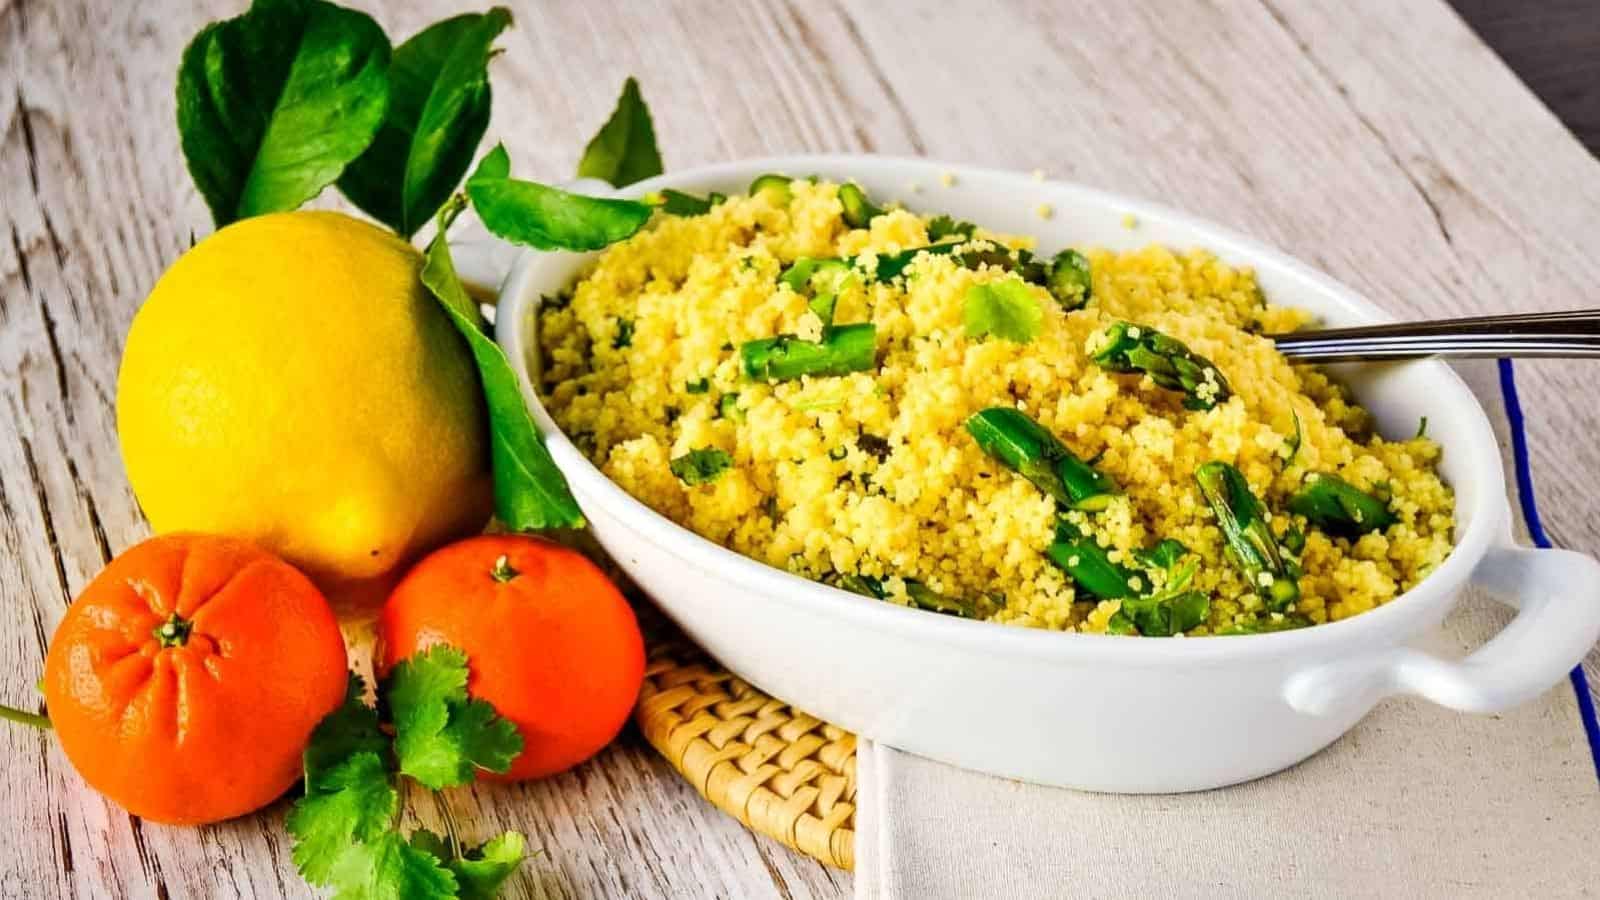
column 1383, row 143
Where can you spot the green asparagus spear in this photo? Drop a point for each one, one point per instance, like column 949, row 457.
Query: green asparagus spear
column 678, row 203
column 1163, row 556
column 1160, row 615
column 1088, row 563
column 999, row 256
column 1065, row 276
column 1136, row 348
column 1068, row 279
column 819, row 280
column 1293, row 540
column 858, row 210
column 843, row 349
column 920, row 595
column 1171, row 610
column 1338, row 507
column 865, row 585
column 1027, row 448
column 1265, row 624
column 891, row 265
column 774, row 186
column 1120, row 624
column 927, row 598
column 1250, row 543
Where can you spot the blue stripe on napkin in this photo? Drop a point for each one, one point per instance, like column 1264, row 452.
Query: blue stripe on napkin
column 1530, row 515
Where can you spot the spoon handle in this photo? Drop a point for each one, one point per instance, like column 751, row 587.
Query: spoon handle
column 1572, row 335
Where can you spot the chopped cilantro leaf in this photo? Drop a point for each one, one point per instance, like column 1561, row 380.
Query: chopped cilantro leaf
column 1163, row 556
column 624, row 335
column 702, row 465
column 1006, row 309
column 943, row 226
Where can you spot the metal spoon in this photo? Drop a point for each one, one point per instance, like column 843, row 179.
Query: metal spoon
column 1571, row 335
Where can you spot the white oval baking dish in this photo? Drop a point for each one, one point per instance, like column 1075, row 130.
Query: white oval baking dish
column 1088, row 711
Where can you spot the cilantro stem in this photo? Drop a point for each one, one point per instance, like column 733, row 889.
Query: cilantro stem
column 25, row 718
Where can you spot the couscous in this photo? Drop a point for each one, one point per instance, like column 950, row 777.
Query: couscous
column 1092, row 441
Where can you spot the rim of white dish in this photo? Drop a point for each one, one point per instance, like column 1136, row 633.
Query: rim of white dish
column 1381, row 624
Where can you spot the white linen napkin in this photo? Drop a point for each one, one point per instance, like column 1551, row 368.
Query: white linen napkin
column 1416, row 801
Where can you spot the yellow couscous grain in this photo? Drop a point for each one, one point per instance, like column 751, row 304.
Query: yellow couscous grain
column 873, row 474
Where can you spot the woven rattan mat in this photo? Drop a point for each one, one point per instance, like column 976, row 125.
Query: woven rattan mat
column 780, row 772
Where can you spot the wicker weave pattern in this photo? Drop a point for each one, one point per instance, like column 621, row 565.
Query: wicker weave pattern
column 777, row 770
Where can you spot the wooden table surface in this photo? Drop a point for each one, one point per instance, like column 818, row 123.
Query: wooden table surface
column 1381, row 142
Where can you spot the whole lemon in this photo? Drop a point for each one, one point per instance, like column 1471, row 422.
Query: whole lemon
column 289, row 381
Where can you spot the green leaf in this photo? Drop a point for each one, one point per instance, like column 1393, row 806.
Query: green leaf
column 624, row 149
column 548, row 218
column 943, row 226
column 431, row 844
column 1163, row 556
column 1006, row 309
column 486, row 740
column 1291, row 445
column 354, row 801
column 530, row 493
column 441, row 736
column 273, row 104
column 439, row 101
column 343, row 733
column 702, row 465
column 678, row 203
column 482, row 870
column 389, row 868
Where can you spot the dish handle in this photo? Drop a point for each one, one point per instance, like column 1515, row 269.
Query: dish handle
column 1557, row 595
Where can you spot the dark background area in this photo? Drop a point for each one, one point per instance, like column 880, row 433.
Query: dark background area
column 1554, row 47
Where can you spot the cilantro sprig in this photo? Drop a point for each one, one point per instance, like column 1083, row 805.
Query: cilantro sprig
column 441, row 736
column 1006, row 309
column 346, row 827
